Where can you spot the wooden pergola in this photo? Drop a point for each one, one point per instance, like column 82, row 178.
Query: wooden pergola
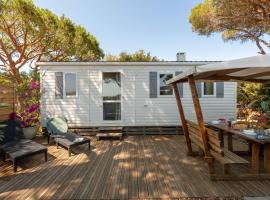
column 252, row 69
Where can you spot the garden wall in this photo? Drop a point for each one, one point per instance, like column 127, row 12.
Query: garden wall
column 7, row 101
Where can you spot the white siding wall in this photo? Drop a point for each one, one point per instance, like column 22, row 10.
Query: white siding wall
column 137, row 107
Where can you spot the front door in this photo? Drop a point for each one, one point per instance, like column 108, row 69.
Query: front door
column 111, row 96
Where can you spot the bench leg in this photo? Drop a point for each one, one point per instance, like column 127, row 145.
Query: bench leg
column 211, row 167
column 89, row 146
column 69, row 152
column 14, row 165
column 226, row 169
column 4, row 157
column 46, row 156
column 57, row 145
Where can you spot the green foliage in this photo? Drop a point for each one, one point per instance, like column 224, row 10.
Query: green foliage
column 138, row 56
column 241, row 20
column 253, row 96
column 29, row 34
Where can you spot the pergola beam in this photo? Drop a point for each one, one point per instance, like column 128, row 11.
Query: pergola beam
column 183, row 118
column 199, row 115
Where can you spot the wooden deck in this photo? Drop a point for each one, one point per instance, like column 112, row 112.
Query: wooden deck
column 136, row 167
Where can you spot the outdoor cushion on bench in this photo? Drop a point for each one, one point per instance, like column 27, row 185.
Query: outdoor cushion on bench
column 57, row 128
column 70, row 140
column 16, row 147
column 22, row 148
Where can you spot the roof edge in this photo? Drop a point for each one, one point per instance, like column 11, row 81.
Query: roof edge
column 104, row 63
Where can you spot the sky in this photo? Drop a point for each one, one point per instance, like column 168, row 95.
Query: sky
column 160, row 27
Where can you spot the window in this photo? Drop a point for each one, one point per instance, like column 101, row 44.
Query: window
column 208, row 89
column 70, row 84
column 59, row 85
column 111, row 95
column 111, row 111
column 65, row 82
column 164, row 89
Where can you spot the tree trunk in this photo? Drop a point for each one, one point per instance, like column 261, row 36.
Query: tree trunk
column 18, row 80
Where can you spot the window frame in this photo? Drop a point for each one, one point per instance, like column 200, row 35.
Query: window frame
column 113, row 101
column 209, row 95
column 64, row 85
column 168, row 73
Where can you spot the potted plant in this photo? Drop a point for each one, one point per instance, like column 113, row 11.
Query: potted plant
column 29, row 120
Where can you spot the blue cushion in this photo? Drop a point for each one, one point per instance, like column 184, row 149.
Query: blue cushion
column 57, row 125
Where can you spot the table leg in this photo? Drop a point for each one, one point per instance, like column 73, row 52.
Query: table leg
column 255, row 157
column 230, row 142
column 266, row 158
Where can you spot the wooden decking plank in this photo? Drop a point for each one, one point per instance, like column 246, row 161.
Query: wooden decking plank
column 169, row 179
column 141, row 166
column 96, row 173
column 150, row 177
column 87, row 180
column 188, row 176
column 132, row 184
column 142, row 186
column 123, row 186
column 156, row 169
column 37, row 178
column 57, row 178
column 102, row 175
column 117, row 174
column 69, row 178
column 171, row 166
column 20, row 181
column 108, row 179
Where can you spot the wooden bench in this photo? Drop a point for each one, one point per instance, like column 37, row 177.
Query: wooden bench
column 215, row 145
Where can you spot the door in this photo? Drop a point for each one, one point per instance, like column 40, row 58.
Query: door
column 111, row 96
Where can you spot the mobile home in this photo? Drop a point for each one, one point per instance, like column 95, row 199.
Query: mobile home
column 92, row 94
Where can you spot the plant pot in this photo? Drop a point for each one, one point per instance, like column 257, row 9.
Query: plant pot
column 30, row 132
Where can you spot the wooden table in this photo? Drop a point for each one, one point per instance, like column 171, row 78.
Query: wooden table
column 256, row 145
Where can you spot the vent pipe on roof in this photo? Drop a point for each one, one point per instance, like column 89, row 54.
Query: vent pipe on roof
column 181, row 56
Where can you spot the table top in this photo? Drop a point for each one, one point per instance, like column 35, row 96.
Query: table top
column 239, row 133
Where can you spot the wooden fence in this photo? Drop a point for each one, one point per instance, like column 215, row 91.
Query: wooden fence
column 7, row 101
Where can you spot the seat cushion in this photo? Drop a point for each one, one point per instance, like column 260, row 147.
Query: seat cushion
column 71, row 139
column 12, row 131
column 22, row 147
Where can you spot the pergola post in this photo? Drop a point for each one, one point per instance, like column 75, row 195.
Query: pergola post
column 182, row 116
column 199, row 115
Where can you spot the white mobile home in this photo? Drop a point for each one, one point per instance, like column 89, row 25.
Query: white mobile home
column 93, row 94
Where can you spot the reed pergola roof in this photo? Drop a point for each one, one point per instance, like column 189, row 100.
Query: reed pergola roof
column 253, row 69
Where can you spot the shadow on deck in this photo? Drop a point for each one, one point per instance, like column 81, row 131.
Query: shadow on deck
column 137, row 167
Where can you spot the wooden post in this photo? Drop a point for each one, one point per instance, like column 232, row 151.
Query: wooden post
column 199, row 115
column 255, row 163
column 182, row 116
column 266, row 158
column 230, row 142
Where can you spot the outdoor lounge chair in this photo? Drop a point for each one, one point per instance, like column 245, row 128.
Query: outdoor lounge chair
column 57, row 128
column 15, row 146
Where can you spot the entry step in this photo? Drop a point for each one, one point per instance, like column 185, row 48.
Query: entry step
column 110, row 129
column 109, row 135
